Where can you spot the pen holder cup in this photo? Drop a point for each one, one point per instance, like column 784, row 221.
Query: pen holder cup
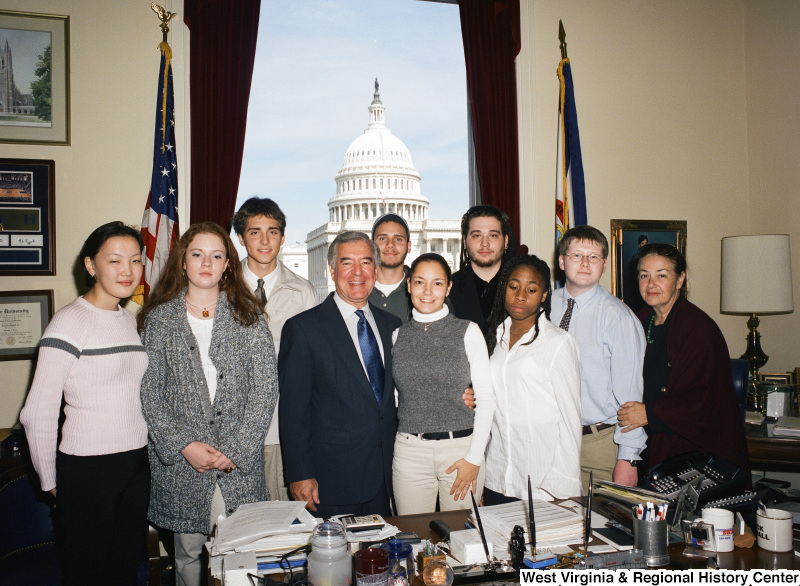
column 652, row 537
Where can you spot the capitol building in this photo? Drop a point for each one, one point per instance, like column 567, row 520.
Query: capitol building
column 377, row 177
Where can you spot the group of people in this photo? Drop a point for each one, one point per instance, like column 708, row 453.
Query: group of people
column 409, row 385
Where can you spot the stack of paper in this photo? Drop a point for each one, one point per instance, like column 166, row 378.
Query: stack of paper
column 630, row 495
column 555, row 526
column 787, row 427
column 269, row 528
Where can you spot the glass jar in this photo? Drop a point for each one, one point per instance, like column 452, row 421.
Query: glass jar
column 329, row 563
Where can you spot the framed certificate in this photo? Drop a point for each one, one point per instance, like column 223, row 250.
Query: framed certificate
column 23, row 317
column 27, row 217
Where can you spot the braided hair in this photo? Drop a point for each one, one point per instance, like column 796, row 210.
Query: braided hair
column 498, row 314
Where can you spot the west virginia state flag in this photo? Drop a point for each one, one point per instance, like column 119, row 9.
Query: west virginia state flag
column 570, row 187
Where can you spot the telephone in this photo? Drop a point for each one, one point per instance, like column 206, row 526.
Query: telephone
column 722, row 483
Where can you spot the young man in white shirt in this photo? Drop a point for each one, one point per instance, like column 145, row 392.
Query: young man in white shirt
column 390, row 232
column 612, row 344
column 260, row 225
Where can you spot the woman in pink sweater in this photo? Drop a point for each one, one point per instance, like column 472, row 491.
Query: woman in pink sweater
column 91, row 356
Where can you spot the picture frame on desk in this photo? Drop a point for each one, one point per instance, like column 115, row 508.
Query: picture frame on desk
column 37, row 109
column 27, row 217
column 777, row 378
column 626, row 238
column 23, row 317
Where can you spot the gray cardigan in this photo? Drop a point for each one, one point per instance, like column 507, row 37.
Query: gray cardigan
column 178, row 411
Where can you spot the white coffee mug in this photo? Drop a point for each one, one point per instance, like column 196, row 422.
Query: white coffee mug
column 774, row 530
column 722, row 521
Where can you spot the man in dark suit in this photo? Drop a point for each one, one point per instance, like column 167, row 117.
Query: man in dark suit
column 486, row 241
column 337, row 409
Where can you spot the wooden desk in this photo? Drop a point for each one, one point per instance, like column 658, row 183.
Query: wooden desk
column 739, row 559
column 772, row 453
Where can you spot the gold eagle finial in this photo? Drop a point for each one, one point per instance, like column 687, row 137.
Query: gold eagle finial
column 165, row 16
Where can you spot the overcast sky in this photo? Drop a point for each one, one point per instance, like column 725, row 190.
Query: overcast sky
column 315, row 68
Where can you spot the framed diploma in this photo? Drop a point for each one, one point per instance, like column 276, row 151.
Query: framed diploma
column 23, row 317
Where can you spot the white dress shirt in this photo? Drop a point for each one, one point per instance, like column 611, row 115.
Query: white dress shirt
column 537, row 422
column 252, row 279
column 612, row 346
column 351, row 321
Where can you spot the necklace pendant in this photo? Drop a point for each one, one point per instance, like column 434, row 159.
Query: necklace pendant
column 426, row 327
column 205, row 313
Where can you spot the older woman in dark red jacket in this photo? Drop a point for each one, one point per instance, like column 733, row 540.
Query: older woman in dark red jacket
column 689, row 400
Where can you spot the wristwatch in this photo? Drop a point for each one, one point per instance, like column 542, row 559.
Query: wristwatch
column 633, row 463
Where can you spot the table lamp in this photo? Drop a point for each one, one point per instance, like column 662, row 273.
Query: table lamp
column 756, row 279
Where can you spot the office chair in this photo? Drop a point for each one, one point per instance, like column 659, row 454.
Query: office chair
column 28, row 554
column 740, row 369
column 27, row 542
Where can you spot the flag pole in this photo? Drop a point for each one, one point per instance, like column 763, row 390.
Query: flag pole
column 562, row 37
column 160, row 219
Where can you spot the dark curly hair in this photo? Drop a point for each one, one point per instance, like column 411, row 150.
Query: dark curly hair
column 505, row 227
column 499, row 313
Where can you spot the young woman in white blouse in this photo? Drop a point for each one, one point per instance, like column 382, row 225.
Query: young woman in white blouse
column 440, row 443
column 91, row 357
column 534, row 364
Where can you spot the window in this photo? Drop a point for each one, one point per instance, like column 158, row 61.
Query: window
column 311, row 89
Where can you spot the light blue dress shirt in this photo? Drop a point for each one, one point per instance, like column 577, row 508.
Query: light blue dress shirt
column 612, row 344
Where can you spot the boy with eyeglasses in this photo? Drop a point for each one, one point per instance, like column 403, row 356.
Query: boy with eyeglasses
column 612, row 344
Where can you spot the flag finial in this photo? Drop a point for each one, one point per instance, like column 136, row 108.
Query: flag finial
column 562, row 36
column 164, row 15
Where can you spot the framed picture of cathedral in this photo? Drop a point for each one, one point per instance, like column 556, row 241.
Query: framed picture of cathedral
column 34, row 78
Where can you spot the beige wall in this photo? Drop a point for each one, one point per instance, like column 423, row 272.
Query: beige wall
column 772, row 46
column 687, row 111
column 104, row 174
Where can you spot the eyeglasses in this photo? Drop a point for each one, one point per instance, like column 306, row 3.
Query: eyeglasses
column 577, row 257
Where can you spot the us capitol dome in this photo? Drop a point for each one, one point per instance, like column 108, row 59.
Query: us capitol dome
column 378, row 177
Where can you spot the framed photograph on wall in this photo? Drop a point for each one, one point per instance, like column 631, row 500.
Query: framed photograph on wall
column 27, row 217
column 34, row 69
column 627, row 236
column 23, row 317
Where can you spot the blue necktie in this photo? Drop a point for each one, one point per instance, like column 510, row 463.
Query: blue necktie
column 371, row 355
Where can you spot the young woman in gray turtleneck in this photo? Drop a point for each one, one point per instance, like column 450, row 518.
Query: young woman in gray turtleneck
column 440, row 442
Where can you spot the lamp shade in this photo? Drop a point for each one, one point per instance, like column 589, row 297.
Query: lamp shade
column 756, row 274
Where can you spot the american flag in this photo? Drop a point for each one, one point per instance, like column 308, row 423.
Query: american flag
column 160, row 220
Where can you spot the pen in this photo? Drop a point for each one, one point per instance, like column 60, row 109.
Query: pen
column 587, row 530
column 531, row 521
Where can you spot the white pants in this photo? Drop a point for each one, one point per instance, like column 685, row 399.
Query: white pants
column 418, row 472
column 189, row 567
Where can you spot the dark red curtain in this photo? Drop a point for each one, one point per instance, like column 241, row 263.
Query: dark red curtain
column 222, row 51
column 490, row 30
